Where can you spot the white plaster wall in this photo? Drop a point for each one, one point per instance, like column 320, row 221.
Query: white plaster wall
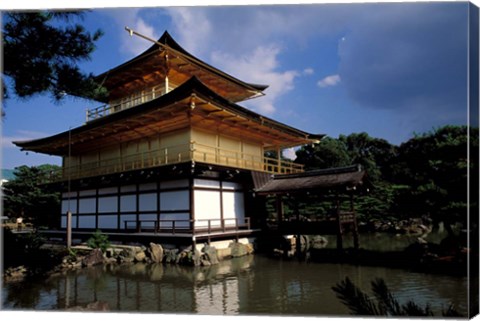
column 233, row 207
column 207, row 207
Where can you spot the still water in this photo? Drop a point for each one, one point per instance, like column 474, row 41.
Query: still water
column 251, row 285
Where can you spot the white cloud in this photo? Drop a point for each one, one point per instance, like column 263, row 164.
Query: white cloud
column 222, row 37
column 260, row 67
column 289, row 153
column 133, row 45
column 329, row 81
column 308, row 71
column 193, row 28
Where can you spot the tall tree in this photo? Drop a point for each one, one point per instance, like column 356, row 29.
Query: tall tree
column 30, row 196
column 374, row 154
column 435, row 167
column 41, row 55
column 330, row 152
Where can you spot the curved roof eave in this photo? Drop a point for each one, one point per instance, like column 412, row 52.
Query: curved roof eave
column 191, row 86
column 168, row 40
column 251, row 114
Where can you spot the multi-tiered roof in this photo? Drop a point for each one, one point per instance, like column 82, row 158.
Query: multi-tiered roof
column 165, row 89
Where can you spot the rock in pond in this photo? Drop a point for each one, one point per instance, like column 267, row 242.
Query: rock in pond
column 93, row 258
column 156, row 252
column 210, row 254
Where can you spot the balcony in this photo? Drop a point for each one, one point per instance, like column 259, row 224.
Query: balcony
column 127, row 102
column 179, row 154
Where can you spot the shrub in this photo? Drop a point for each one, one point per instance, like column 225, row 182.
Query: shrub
column 98, row 240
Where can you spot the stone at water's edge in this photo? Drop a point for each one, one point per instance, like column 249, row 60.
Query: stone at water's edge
column 210, row 254
column 93, row 258
column 140, row 256
column 239, row 249
column 156, row 252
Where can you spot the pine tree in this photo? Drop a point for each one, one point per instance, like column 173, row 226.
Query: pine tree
column 41, row 52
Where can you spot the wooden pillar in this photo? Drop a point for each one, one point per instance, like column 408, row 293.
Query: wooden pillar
column 194, row 243
column 191, row 191
column 279, row 207
column 222, row 221
column 279, row 160
column 69, row 229
column 356, row 243
column 339, row 224
column 298, row 243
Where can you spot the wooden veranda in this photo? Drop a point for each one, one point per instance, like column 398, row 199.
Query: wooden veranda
column 343, row 182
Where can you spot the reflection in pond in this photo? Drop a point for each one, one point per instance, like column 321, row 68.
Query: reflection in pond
column 249, row 285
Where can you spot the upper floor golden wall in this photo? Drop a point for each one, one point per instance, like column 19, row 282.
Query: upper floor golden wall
column 190, row 144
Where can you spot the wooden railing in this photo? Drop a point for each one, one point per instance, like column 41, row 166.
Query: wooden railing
column 233, row 158
column 178, row 154
column 125, row 103
column 208, row 226
column 164, row 156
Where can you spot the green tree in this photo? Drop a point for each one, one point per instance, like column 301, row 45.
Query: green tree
column 374, row 154
column 330, row 152
column 30, row 196
column 435, row 167
column 41, row 52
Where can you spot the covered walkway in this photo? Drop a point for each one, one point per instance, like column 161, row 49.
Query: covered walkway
column 342, row 182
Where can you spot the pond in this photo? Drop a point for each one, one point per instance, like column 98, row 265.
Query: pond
column 251, row 285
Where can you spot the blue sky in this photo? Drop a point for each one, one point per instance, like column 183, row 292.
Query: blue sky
column 388, row 69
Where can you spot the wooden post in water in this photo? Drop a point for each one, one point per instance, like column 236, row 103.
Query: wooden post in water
column 69, row 229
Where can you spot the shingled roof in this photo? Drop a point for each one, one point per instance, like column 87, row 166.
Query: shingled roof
column 153, row 62
column 314, row 180
column 112, row 125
